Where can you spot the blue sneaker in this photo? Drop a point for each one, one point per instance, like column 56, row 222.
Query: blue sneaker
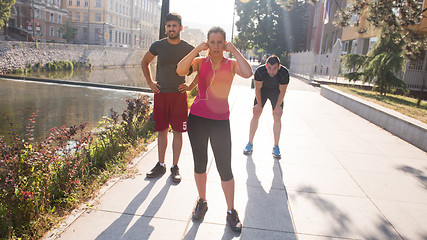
column 276, row 152
column 248, row 149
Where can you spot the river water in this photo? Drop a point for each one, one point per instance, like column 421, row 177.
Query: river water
column 59, row 105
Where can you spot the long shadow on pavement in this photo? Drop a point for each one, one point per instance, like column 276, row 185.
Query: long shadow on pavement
column 267, row 214
column 117, row 230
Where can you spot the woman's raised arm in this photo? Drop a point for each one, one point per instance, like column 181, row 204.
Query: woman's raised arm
column 184, row 65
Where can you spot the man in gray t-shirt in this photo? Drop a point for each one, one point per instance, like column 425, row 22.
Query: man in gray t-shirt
column 170, row 105
column 168, row 56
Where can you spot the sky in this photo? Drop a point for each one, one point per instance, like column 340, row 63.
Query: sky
column 204, row 14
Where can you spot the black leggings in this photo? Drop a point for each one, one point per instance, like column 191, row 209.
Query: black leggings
column 200, row 130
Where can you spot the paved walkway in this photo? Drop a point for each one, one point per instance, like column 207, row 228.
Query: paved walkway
column 340, row 177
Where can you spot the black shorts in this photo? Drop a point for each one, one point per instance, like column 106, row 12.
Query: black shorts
column 272, row 95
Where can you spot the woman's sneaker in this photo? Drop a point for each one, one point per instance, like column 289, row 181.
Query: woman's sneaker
column 248, row 149
column 276, row 152
column 200, row 210
column 234, row 221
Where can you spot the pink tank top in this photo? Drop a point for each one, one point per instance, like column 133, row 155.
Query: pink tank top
column 214, row 87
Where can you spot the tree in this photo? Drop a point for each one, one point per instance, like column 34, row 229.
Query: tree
column 396, row 17
column 69, row 32
column 399, row 37
column 265, row 25
column 5, row 6
column 380, row 65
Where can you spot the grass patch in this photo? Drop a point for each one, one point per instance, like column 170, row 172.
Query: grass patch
column 402, row 104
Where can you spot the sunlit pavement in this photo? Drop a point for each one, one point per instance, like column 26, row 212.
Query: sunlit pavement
column 340, row 177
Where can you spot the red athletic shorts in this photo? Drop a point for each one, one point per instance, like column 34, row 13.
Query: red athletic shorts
column 171, row 108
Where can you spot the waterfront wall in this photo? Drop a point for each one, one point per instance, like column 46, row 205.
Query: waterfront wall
column 14, row 55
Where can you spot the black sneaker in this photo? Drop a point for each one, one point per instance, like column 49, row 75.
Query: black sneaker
column 200, row 210
column 234, row 221
column 175, row 174
column 156, row 171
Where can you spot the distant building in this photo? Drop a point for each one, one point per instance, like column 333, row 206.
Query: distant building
column 358, row 42
column 124, row 23
column 321, row 28
column 193, row 36
column 40, row 20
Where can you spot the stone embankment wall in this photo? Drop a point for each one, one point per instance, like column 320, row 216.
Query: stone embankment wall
column 14, row 55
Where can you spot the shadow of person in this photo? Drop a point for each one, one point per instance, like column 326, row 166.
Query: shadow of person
column 267, row 213
column 118, row 228
column 142, row 229
column 192, row 232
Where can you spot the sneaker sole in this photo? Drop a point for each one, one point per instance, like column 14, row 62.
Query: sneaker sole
column 247, row 152
column 237, row 229
column 175, row 180
column 153, row 176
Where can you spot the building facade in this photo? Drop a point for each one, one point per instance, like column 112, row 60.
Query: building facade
column 36, row 20
column 359, row 40
column 122, row 23
column 193, row 36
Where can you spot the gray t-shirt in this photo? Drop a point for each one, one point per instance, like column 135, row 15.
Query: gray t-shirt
column 168, row 56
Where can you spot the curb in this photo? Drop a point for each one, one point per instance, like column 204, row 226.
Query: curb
column 407, row 128
column 75, row 83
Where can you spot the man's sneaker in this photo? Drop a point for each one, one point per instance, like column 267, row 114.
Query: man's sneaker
column 248, row 149
column 234, row 221
column 276, row 152
column 156, row 171
column 175, row 174
column 200, row 210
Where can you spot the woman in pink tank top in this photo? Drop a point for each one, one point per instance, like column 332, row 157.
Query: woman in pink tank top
column 209, row 115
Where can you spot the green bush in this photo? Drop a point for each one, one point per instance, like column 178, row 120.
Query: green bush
column 41, row 180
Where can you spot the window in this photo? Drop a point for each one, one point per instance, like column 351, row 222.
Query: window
column 70, row 2
column 316, row 16
column 59, row 18
column 85, row 34
column 60, row 32
column 85, row 17
column 98, row 3
column 98, row 34
column 77, row 16
column 37, row 13
column 52, row 32
column 51, row 17
column 98, row 17
column 111, row 4
column 111, row 19
column 420, row 18
column 86, row 3
column 78, row 3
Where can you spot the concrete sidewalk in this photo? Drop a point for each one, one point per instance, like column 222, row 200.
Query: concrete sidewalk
column 340, row 177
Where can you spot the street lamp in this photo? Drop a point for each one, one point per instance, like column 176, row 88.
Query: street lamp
column 163, row 13
column 232, row 26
